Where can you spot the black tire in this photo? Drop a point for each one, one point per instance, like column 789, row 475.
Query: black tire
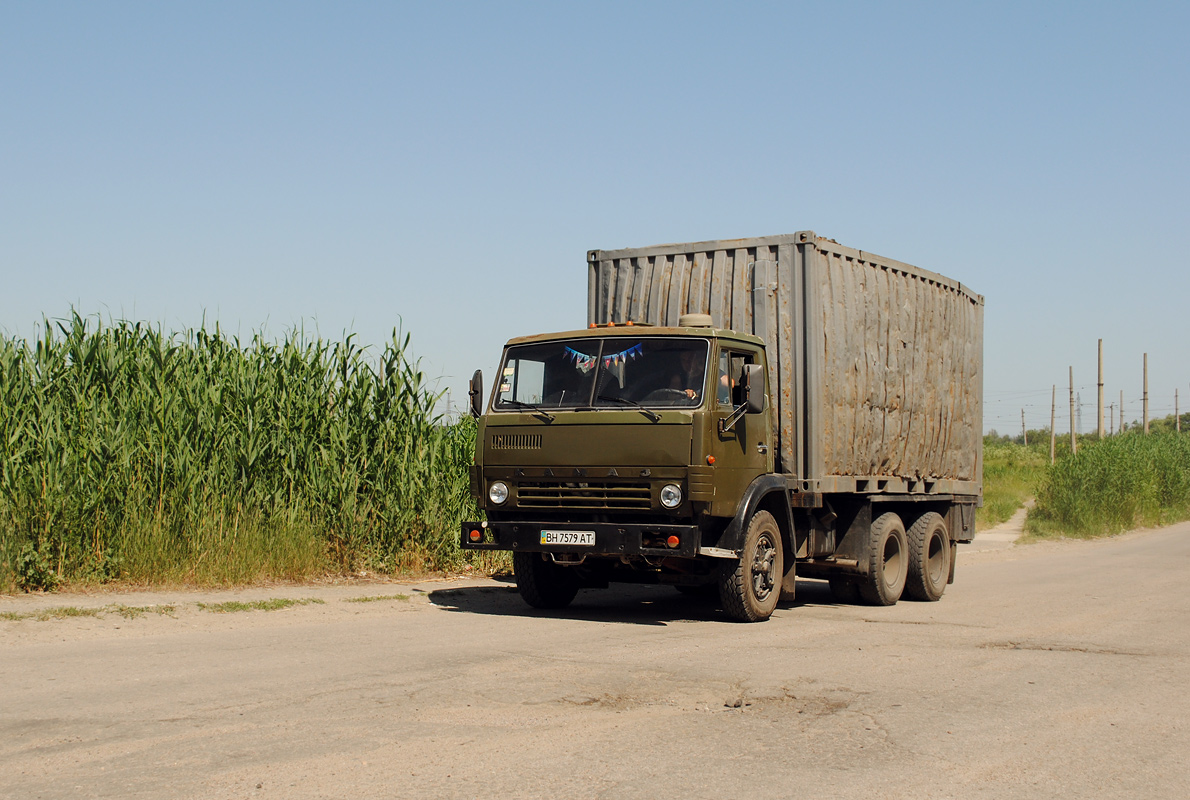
column 929, row 558
column 845, row 590
column 750, row 588
column 888, row 562
column 542, row 583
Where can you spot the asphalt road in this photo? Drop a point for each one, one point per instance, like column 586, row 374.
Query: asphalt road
column 1051, row 670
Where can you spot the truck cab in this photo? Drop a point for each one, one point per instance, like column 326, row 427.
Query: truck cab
column 621, row 453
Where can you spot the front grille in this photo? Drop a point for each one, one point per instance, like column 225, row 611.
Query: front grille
column 584, row 494
column 516, row 441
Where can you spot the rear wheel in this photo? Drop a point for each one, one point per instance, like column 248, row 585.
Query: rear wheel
column 749, row 589
column 929, row 558
column 542, row 583
column 888, row 562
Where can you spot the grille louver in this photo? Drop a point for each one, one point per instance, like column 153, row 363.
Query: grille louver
column 584, row 494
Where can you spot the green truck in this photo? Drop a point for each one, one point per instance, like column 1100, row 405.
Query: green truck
column 737, row 414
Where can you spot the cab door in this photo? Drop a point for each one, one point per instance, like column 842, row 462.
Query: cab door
column 743, row 451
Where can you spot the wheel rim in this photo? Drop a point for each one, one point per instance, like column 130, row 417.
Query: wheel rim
column 937, row 563
column 764, row 567
column 892, row 561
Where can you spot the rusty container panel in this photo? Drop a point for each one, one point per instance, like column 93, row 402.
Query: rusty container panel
column 876, row 366
column 902, row 365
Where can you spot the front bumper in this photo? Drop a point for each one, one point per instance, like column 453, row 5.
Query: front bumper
column 611, row 539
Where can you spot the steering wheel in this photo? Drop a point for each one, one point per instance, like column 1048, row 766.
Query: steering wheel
column 669, row 394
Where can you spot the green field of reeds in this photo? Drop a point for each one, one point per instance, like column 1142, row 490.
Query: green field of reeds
column 133, row 454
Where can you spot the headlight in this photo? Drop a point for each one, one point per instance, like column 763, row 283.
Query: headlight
column 671, row 495
column 498, row 492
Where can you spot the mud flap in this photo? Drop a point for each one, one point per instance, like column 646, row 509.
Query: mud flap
column 789, row 580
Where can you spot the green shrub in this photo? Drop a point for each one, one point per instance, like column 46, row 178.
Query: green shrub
column 34, row 570
column 1120, row 483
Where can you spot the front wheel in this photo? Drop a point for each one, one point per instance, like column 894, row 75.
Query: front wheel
column 750, row 588
column 542, row 583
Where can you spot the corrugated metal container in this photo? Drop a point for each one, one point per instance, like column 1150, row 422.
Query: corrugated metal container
column 876, row 367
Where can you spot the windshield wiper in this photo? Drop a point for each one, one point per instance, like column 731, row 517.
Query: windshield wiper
column 652, row 417
column 540, row 413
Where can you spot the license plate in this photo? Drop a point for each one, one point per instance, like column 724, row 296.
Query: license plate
column 581, row 538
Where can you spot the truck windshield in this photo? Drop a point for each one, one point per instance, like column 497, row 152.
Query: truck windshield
column 604, row 373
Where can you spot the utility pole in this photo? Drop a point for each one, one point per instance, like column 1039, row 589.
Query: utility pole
column 1073, row 440
column 1146, row 398
column 1100, row 388
column 1111, row 413
column 1121, row 411
column 1024, row 433
column 1177, row 419
column 1078, row 405
column 1053, row 408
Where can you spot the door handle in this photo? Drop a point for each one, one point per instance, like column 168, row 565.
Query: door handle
column 762, row 448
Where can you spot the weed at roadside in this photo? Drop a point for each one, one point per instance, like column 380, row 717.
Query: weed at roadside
column 274, row 604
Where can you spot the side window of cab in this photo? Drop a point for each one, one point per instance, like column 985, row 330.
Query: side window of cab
column 731, row 367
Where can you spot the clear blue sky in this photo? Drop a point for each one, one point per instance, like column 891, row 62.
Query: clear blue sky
column 445, row 167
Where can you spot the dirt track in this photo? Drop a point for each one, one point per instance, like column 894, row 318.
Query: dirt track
column 1051, row 670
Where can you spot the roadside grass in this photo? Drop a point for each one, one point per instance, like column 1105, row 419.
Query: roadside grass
column 58, row 612
column 1123, row 482
column 132, row 612
column 1011, row 473
column 169, row 609
column 272, row 604
column 375, row 598
column 65, row 612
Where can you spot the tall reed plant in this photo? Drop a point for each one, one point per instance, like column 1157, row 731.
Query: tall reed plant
column 129, row 452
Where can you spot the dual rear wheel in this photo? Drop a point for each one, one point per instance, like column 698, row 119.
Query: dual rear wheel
column 930, row 558
column 914, row 563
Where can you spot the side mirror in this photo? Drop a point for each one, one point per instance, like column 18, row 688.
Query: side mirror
column 753, row 380
column 475, row 393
